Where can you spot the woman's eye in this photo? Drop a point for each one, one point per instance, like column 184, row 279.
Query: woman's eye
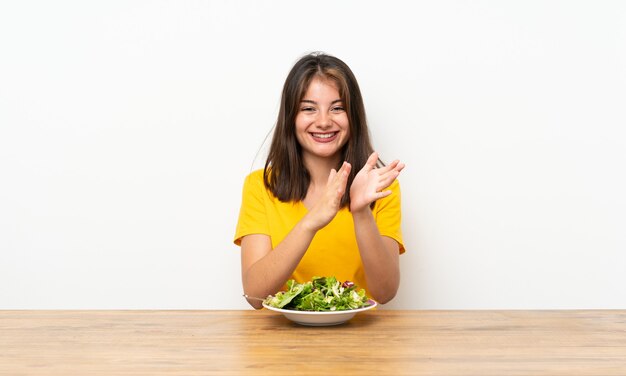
column 308, row 109
column 338, row 109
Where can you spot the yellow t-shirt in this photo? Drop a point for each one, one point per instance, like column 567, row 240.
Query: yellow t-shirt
column 333, row 251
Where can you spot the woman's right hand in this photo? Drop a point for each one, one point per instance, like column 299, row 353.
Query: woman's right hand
column 329, row 202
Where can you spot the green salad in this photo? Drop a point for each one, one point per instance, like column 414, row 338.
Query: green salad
column 319, row 294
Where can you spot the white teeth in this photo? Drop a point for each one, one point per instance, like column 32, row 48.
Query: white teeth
column 323, row 135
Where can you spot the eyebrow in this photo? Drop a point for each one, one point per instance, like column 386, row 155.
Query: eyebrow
column 314, row 102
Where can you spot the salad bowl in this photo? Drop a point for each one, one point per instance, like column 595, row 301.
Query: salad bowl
column 320, row 318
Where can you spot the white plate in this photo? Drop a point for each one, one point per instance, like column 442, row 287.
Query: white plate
column 322, row 318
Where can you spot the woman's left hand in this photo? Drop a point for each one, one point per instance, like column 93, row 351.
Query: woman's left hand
column 369, row 183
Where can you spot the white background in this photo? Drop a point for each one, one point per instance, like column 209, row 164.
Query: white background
column 127, row 128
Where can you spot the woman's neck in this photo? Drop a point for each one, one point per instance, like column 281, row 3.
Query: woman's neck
column 319, row 168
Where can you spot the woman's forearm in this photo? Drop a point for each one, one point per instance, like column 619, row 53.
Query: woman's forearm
column 268, row 274
column 379, row 256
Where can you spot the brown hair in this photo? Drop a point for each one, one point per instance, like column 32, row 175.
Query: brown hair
column 285, row 174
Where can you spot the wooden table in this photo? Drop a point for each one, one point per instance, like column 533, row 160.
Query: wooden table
column 380, row 342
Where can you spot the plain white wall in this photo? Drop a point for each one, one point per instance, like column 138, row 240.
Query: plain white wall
column 127, row 128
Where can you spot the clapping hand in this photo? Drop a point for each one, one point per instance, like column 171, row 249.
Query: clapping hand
column 330, row 202
column 370, row 183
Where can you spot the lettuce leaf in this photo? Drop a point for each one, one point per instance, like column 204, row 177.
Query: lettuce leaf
column 319, row 294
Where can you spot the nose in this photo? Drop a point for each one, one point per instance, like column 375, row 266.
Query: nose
column 323, row 120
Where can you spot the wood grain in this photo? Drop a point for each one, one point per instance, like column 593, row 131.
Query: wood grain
column 265, row 343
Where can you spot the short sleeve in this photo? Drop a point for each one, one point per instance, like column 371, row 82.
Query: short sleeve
column 252, row 214
column 388, row 215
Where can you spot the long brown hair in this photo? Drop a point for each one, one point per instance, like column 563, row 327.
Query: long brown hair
column 285, row 174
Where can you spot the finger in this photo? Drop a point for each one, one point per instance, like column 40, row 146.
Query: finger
column 343, row 167
column 336, row 176
column 371, row 162
column 343, row 179
column 340, row 191
column 388, row 178
column 393, row 172
column 383, row 194
column 389, row 167
column 346, row 167
column 394, row 167
column 331, row 177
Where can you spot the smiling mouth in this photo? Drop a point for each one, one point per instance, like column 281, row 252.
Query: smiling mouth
column 324, row 137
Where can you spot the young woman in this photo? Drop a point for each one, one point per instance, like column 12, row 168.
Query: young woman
column 324, row 205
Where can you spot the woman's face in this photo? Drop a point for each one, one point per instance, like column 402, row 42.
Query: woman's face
column 322, row 126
